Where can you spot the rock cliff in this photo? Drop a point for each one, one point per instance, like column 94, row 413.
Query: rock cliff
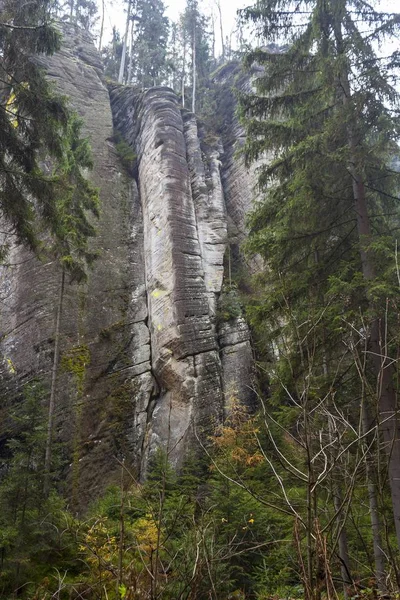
column 147, row 360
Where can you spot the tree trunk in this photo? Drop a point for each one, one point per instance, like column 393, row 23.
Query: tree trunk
column 379, row 557
column 121, row 532
column 382, row 366
column 130, row 57
column 123, row 56
column 343, row 547
column 213, row 35
column 221, row 29
column 183, row 73
column 103, row 8
column 50, row 418
column 194, row 68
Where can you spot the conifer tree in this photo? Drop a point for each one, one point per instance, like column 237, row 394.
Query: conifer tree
column 81, row 12
column 111, row 55
column 325, row 111
column 150, row 43
column 39, row 129
column 196, row 44
column 32, row 118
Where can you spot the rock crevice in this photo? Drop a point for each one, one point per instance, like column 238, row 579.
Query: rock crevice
column 161, row 362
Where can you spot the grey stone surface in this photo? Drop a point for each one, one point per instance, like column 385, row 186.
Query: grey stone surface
column 239, row 181
column 161, row 371
column 107, row 316
column 181, row 272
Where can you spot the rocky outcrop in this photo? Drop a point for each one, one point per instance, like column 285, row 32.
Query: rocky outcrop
column 238, row 180
column 147, row 360
column 104, row 380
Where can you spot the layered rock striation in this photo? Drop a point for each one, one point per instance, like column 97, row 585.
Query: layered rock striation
column 146, row 359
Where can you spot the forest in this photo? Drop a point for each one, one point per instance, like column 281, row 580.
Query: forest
column 296, row 493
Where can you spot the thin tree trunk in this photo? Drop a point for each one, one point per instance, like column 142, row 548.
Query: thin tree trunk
column 344, row 557
column 213, row 36
column 123, row 56
column 50, row 418
column 194, row 67
column 102, row 24
column 130, row 57
column 379, row 557
column 221, row 29
column 183, row 73
column 121, row 533
column 343, row 547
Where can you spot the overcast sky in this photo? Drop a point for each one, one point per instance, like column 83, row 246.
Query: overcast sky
column 115, row 14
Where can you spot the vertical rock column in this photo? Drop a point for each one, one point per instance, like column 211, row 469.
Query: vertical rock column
column 204, row 162
column 185, row 357
column 209, row 204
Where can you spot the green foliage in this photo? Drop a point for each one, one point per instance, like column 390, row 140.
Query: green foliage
column 149, row 48
column 196, row 44
column 75, row 361
column 229, row 305
column 111, row 56
column 76, row 205
column 38, row 130
column 32, row 537
column 32, row 117
column 324, row 115
column 125, row 152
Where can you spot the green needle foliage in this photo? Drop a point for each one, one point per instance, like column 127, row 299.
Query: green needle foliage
column 325, row 114
column 323, row 107
column 32, row 118
column 77, row 199
column 306, row 227
column 38, row 130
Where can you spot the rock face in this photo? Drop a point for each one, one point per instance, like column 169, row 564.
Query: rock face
column 146, row 359
column 239, row 181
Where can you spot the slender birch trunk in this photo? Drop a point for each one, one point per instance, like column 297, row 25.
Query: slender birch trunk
column 103, row 10
column 218, row 3
column 123, row 56
column 194, row 67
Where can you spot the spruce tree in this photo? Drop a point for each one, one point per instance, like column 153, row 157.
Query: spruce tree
column 149, row 47
column 32, row 118
column 111, row 55
column 41, row 150
column 195, row 39
column 325, row 112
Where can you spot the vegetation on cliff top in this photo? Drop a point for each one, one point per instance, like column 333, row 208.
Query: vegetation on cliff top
column 301, row 500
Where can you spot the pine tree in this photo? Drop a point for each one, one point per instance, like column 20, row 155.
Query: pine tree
column 325, row 112
column 29, row 540
column 149, row 47
column 81, row 12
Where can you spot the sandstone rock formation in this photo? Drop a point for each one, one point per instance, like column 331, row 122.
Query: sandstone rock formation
column 146, row 361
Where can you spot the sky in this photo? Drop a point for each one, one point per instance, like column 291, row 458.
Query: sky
column 115, row 15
